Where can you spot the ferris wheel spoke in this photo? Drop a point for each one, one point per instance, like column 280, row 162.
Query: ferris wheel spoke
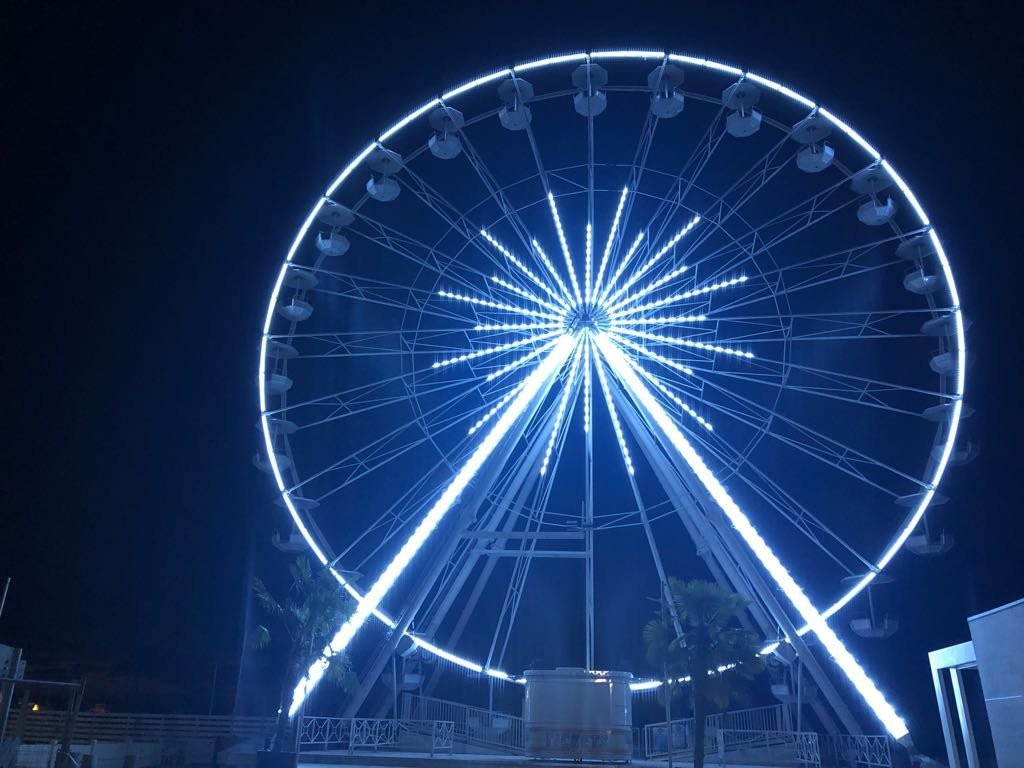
column 667, row 392
column 864, row 397
column 840, row 258
column 748, row 184
column 588, row 276
column 381, row 452
column 796, row 514
column 522, row 231
column 613, row 232
column 681, row 191
column 777, row 292
column 562, row 298
column 811, row 442
column 690, row 296
column 676, row 192
column 851, row 382
column 794, row 220
column 639, row 272
column 814, row 443
column 490, row 182
column 355, row 394
column 456, row 220
column 405, row 246
column 783, row 502
column 636, row 176
column 857, row 392
column 523, row 294
column 417, row 300
column 397, row 515
column 360, row 400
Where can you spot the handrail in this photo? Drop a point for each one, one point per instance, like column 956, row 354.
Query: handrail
column 360, row 733
column 861, row 751
column 474, row 725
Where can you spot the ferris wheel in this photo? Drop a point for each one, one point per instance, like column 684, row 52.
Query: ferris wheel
column 578, row 320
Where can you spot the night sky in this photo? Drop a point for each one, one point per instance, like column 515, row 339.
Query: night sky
column 157, row 161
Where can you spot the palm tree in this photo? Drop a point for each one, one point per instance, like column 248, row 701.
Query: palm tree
column 659, row 639
column 710, row 649
column 310, row 613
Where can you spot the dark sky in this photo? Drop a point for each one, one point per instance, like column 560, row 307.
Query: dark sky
column 157, row 161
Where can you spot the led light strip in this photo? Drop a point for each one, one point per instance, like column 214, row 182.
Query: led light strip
column 683, row 342
column 664, row 320
column 565, row 248
column 493, row 350
column 656, row 257
column 670, row 394
column 586, row 385
column 622, row 267
column 516, row 326
column 415, row 542
column 589, row 258
column 623, row 341
column 497, row 305
column 525, row 270
column 651, row 288
column 615, row 419
column 496, row 407
column 522, row 360
column 853, row 671
column 525, row 294
column 611, row 241
column 632, row 310
column 551, row 268
column 570, row 384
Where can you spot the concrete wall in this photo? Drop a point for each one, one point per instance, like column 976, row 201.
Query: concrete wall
column 998, row 637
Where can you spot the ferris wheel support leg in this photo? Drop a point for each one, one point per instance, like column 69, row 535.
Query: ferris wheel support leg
column 471, row 503
column 588, row 532
column 725, row 548
column 514, row 497
column 525, row 487
column 722, row 568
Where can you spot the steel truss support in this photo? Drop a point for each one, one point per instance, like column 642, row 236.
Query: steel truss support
column 475, row 497
column 726, row 548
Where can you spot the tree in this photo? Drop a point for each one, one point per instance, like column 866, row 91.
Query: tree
column 306, row 619
column 710, row 648
column 659, row 639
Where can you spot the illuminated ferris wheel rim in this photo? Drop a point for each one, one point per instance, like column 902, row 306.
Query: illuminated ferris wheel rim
column 913, row 517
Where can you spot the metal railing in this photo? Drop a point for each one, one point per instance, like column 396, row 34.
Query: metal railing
column 360, row 733
column 769, row 718
column 42, row 727
column 787, row 747
column 858, row 751
column 724, row 746
column 473, row 725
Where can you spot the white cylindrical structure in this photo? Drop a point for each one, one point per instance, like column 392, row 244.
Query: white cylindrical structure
column 574, row 714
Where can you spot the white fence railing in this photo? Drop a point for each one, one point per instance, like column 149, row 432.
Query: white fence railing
column 473, row 725
column 359, row 733
column 42, row 727
column 656, row 735
column 858, row 751
column 724, row 746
